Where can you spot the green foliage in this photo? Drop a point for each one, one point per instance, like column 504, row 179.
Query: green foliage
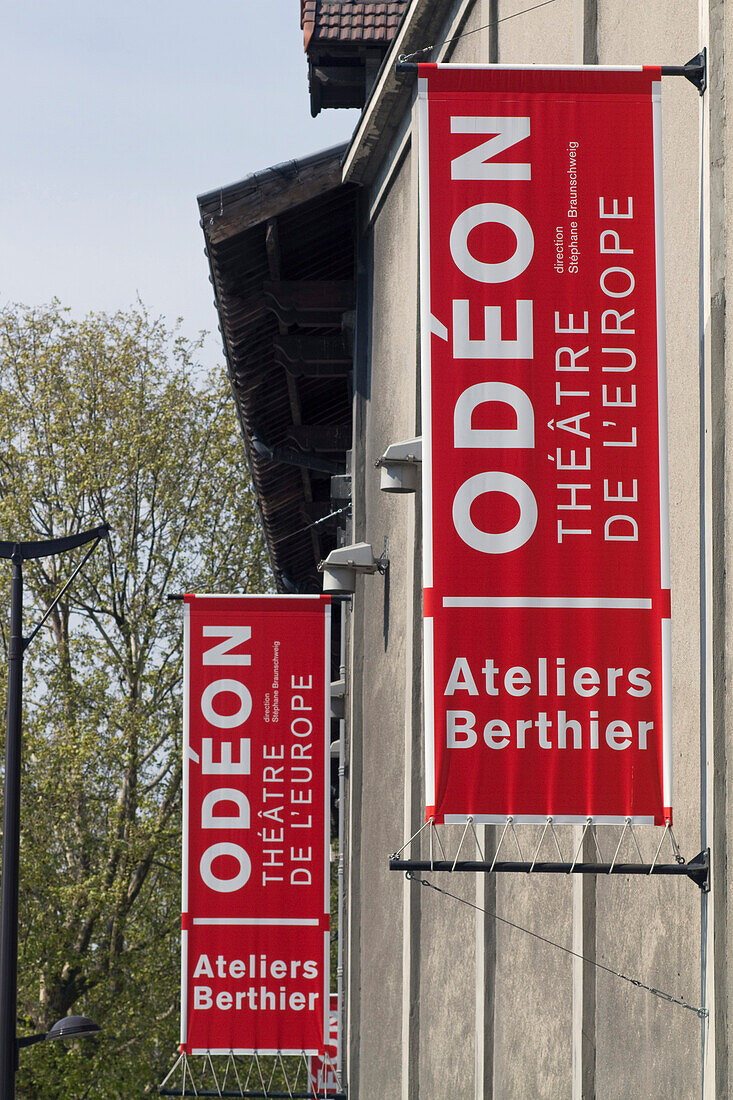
column 110, row 419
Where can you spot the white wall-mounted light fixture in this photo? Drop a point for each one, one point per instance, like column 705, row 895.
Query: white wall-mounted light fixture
column 400, row 466
column 342, row 565
column 338, row 694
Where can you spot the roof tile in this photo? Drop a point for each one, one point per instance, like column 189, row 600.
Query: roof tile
column 350, row 20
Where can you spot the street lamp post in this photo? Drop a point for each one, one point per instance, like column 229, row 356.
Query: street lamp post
column 18, row 552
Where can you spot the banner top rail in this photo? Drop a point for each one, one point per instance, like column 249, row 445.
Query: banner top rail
column 694, row 70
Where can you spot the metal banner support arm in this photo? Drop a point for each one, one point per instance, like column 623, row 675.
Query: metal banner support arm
column 694, row 70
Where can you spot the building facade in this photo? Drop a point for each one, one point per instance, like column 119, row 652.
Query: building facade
column 316, row 273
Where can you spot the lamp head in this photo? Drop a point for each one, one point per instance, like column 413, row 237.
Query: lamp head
column 70, row 1027
column 400, row 466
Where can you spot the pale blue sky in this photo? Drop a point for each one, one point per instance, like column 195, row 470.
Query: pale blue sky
column 115, row 117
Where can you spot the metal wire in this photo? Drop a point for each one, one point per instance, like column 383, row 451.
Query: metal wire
column 218, row 1088
column 542, row 837
column 316, row 523
column 554, row 837
column 618, row 846
column 413, row 837
column 469, row 823
column 701, row 1012
column 586, row 827
column 659, row 848
column 479, row 849
column 440, row 842
column 465, row 34
column 498, row 847
column 516, row 838
column 610, row 865
column 27, row 641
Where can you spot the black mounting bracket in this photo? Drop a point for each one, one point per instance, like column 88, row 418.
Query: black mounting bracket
column 696, row 70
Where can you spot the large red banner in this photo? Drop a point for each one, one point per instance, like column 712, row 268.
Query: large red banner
column 546, row 559
column 256, row 825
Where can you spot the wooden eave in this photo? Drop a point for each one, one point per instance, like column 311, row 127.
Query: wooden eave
column 280, row 246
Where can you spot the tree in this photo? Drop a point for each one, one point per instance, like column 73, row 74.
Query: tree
column 110, row 419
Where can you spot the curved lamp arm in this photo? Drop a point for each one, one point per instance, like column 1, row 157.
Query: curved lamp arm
column 29, row 550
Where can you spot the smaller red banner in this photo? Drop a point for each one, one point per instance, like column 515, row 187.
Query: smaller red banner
column 255, row 922
column 324, row 1072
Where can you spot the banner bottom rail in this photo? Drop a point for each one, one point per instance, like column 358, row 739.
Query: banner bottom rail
column 698, row 869
column 258, row 1095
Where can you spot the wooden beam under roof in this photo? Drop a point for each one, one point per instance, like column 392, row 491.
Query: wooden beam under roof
column 310, row 302
column 274, row 264
column 313, row 356
column 321, row 437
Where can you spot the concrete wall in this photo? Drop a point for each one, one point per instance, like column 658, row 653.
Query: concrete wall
column 382, row 626
column 653, row 929
column 443, row 1001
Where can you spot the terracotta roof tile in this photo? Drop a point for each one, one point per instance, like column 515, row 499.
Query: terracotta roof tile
column 350, row 20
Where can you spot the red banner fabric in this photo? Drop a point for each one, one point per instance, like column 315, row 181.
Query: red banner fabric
column 546, row 557
column 256, row 825
column 324, row 1073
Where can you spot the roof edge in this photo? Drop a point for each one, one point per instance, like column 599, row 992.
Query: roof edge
column 277, row 173
column 420, row 24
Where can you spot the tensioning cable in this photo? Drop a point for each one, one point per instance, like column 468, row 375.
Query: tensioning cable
column 474, row 30
column 701, row 1012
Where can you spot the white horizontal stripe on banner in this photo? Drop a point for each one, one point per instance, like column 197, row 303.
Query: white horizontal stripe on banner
column 259, row 596
column 545, row 601
column 541, row 819
column 545, row 68
column 293, row 1052
column 279, row 921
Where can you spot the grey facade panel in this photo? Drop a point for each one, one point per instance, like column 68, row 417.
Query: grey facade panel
column 487, row 1011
